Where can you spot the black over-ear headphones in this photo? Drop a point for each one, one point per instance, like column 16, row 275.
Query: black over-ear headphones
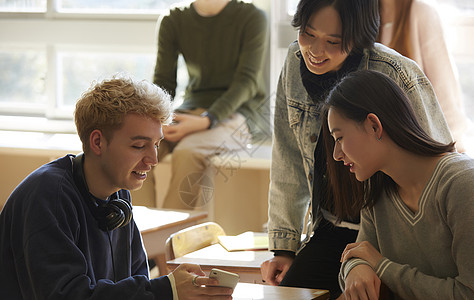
column 115, row 214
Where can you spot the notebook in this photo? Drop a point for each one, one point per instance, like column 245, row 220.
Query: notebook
column 245, row 241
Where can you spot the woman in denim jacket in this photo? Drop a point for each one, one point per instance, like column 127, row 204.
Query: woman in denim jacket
column 335, row 38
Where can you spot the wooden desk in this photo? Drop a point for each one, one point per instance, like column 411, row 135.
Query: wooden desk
column 267, row 292
column 245, row 263
column 156, row 225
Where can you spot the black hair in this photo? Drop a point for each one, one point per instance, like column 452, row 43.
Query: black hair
column 360, row 20
column 344, row 194
column 366, row 91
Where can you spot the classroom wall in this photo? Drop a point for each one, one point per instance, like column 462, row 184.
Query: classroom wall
column 14, row 168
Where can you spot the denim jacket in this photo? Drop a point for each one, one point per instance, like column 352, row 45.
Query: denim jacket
column 297, row 124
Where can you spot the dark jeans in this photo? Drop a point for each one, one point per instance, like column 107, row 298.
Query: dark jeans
column 317, row 265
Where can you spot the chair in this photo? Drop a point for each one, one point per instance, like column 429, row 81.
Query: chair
column 192, row 238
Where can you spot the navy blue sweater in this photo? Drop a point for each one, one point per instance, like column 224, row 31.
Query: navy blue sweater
column 52, row 248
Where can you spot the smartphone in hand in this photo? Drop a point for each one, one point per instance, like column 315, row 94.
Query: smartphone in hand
column 226, row 279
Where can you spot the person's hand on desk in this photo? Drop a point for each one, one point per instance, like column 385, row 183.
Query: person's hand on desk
column 273, row 270
column 363, row 250
column 190, row 286
column 362, row 282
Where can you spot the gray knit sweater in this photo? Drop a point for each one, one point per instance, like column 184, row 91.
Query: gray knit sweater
column 427, row 254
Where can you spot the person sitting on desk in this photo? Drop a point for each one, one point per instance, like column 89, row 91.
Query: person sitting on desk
column 223, row 45
column 67, row 231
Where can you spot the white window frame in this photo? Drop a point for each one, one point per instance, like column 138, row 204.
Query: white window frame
column 53, row 31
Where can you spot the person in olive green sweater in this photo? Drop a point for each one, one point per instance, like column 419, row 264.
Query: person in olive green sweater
column 223, row 45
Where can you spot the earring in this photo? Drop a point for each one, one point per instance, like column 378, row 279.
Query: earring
column 379, row 138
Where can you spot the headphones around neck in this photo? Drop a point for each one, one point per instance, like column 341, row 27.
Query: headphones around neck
column 114, row 214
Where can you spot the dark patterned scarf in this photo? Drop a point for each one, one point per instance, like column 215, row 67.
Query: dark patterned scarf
column 318, row 86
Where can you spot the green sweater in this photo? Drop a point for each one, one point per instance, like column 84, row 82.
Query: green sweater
column 224, row 58
column 427, row 254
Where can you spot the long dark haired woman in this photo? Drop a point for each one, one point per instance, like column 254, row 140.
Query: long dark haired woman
column 416, row 230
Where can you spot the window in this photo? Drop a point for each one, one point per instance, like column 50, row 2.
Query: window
column 127, row 6
column 23, row 6
column 89, row 6
column 22, row 78
column 51, row 51
column 76, row 69
column 458, row 18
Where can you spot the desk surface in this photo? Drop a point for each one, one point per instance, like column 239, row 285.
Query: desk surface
column 244, row 291
column 156, row 225
column 152, row 219
column 215, row 256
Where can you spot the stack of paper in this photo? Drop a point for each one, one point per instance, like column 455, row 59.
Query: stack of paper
column 245, row 241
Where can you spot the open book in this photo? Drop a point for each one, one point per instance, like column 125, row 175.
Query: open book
column 245, row 241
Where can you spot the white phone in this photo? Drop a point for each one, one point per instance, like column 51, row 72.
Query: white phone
column 226, row 279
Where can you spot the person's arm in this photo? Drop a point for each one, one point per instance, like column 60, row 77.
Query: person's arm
column 361, row 283
column 167, row 58
column 411, row 283
column 57, row 267
column 354, row 274
column 274, row 270
column 55, row 264
column 408, row 75
column 438, row 66
column 183, row 125
column 289, row 194
column 245, row 82
column 425, row 105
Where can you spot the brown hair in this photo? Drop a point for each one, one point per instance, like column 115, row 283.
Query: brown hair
column 105, row 105
column 345, row 193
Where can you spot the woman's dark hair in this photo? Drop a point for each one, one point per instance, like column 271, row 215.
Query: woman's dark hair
column 360, row 20
column 344, row 193
column 365, row 91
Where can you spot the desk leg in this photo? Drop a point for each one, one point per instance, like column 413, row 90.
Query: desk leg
column 160, row 261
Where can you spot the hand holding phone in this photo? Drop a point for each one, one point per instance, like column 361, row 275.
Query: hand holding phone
column 226, row 279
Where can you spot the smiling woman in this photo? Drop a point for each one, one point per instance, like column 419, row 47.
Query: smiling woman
column 409, row 177
column 320, row 43
column 354, row 143
column 355, row 117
